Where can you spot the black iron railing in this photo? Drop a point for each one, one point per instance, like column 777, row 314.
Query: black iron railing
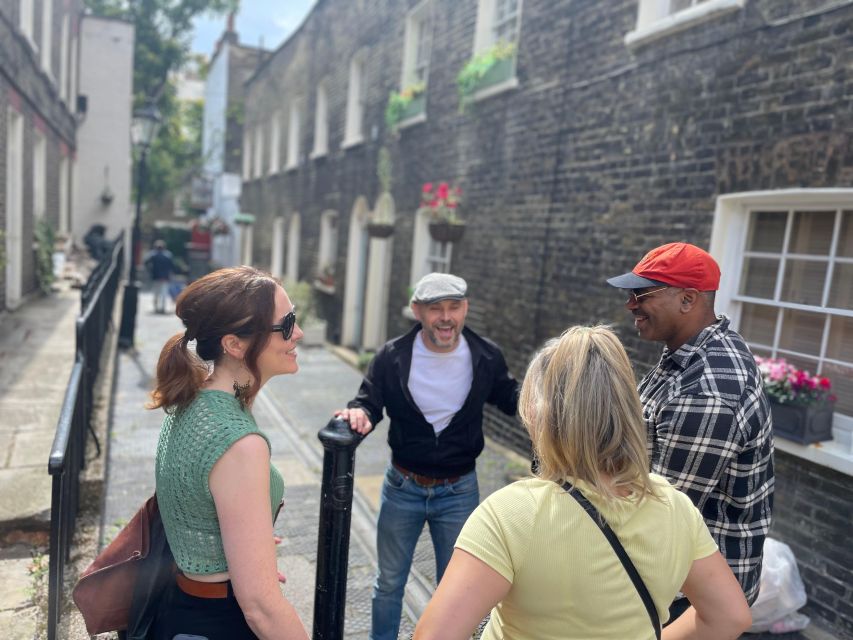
column 68, row 454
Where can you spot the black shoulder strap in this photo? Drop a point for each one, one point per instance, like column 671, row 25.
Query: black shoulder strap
column 639, row 585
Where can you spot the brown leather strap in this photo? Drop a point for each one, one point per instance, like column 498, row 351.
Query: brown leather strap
column 424, row 481
column 201, row 589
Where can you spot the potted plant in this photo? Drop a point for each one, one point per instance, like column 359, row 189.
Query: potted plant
column 405, row 104
column 484, row 70
column 801, row 404
column 380, row 224
column 442, row 203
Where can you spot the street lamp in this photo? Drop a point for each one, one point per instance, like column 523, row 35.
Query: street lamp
column 146, row 121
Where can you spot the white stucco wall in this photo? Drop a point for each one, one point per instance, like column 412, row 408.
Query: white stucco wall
column 103, row 137
column 215, row 111
column 226, row 187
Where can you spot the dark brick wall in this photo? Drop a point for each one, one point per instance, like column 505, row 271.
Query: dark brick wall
column 813, row 514
column 21, row 75
column 601, row 153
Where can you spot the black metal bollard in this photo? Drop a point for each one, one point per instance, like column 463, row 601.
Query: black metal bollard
column 339, row 442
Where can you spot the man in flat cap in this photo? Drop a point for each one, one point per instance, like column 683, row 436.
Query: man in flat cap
column 708, row 419
column 433, row 382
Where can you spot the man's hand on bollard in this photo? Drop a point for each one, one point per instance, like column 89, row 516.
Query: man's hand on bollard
column 357, row 418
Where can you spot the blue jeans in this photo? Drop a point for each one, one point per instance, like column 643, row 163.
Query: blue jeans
column 404, row 508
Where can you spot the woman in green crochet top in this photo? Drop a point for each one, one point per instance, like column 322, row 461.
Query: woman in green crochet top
column 217, row 490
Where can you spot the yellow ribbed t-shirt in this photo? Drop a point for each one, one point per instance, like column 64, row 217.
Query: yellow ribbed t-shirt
column 567, row 582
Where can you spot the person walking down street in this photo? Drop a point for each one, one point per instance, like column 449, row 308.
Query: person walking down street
column 217, row 491
column 707, row 417
column 534, row 554
column 160, row 267
column 433, row 383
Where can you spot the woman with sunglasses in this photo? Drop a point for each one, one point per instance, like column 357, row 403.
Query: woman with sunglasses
column 217, row 491
column 533, row 555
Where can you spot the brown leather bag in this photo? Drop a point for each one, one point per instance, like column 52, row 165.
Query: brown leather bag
column 105, row 591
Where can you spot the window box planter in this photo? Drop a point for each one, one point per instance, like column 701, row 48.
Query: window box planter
column 500, row 71
column 444, row 231
column 416, row 107
column 379, row 229
column 802, row 424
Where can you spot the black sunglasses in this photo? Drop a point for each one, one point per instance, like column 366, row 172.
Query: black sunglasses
column 287, row 324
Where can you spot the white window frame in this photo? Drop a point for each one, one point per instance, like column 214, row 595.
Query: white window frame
column 64, row 187
column 728, row 244
column 294, row 134
column 39, row 175
column 72, row 73
column 414, row 70
column 14, row 206
column 63, row 59
column 258, row 148
column 656, row 20
column 247, row 154
column 26, row 21
column 484, row 39
column 275, row 144
column 424, row 253
column 46, row 36
column 321, row 121
column 356, row 100
column 484, row 34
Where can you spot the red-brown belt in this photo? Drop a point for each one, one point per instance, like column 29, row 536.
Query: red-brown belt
column 424, row 481
column 202, row 589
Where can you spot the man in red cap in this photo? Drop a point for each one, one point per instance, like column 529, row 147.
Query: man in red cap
column 708, row 419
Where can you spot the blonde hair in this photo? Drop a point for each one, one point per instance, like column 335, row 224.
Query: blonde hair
column 580, row 405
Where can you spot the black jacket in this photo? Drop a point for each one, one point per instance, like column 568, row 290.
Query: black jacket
column 414, row 444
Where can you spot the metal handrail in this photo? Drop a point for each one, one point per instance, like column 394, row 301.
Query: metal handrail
column 68, row 453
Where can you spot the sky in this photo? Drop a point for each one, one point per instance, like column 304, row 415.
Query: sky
column 270, row 20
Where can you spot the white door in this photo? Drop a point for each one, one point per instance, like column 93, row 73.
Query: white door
column 277, row 248
column 14, row 207
column 293, row 232
column 356, row 274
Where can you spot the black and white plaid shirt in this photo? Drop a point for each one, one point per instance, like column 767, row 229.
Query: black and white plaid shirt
column 710, row 434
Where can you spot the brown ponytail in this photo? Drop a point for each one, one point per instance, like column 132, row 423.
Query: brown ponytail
column 239, row 301
column 180, row 374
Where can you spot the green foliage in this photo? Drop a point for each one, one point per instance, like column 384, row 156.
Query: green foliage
column 301, row 294
column 162, row 47
column 364, row 359
column 45, row 238
column 469, row 78
column 399, row 101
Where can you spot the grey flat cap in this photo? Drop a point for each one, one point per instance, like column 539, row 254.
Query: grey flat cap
column 439, row 286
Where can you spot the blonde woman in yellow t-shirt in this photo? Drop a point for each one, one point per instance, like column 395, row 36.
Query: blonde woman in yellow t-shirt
column 535, row 558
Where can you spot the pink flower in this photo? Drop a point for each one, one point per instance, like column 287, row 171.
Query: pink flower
column 443, row 190
column 825, row 383
column 427, row 187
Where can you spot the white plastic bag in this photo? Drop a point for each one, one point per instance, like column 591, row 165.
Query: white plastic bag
column 782, row 592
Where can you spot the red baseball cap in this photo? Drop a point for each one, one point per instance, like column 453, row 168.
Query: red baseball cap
column 676, row 264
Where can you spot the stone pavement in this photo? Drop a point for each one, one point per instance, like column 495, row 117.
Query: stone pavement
column 37, row 344
column 291, row 410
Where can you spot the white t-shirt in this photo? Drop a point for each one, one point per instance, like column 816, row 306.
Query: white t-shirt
column 440, row 382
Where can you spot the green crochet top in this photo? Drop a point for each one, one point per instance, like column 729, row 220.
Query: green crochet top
column 191, row 441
